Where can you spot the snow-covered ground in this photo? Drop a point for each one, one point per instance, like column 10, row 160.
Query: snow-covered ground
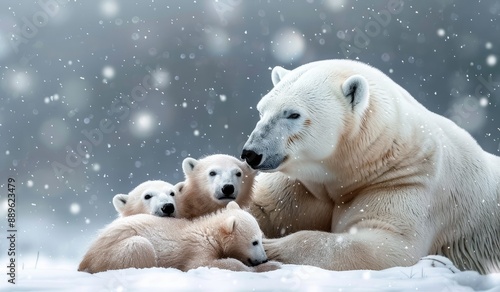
column 430, row 274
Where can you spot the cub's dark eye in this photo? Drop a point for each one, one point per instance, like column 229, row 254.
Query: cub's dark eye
column 212, row 173
column 293, row 116
column 172, row 194
column 147, row 197
column 255, row 242
column 238, row 174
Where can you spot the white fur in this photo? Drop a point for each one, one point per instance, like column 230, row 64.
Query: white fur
column 229, row 239
column 211, row 182
column 277, row 74
column 154, row 197
column 356, row 87
column 388, row 180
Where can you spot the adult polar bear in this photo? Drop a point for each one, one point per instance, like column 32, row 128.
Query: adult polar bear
column 359, row 175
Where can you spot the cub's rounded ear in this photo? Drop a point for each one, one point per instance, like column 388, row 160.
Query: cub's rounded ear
column 119, row 201
column 188, row 165
column 178, row 187
column 228, row 224
column 356, row 89
column 277, row 74
column 233, row 205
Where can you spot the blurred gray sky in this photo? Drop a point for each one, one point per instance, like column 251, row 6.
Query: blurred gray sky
column 99, row 96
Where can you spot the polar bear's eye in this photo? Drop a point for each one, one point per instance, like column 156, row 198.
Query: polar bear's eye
column 212, row 173
column 172, row 194
column 255, row 242
column 147, row 197
column 293, row 116
column 238, row 174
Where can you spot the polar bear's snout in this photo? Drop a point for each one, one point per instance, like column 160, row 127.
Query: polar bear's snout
column 251, row 157
column 228, row 190
column 266, row 147
column 168, row 209
column 267, row 162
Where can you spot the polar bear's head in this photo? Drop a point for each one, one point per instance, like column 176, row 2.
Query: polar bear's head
column 218, row 178
column 242, row 237
column 154, row 197
column 305, row 115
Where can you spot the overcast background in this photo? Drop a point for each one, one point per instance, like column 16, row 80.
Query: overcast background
column 170, row 79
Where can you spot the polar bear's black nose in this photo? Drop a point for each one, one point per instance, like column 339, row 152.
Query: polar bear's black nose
column 168, row 208
column 253, row 159
column 228, row 189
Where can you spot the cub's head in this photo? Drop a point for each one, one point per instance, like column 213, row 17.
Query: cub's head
column 242, row 237
column 219, row 178
column 303, row 118
column 153, row 197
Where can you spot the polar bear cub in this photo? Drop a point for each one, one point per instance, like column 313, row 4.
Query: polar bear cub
column 211, row 183
column 228, row 239
column 155, row 197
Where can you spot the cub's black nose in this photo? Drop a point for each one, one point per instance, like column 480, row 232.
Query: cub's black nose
column 228, row 190
column 168, row 208
column 253, row 159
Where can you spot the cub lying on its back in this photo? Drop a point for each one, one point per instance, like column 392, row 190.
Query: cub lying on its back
column 229, row 239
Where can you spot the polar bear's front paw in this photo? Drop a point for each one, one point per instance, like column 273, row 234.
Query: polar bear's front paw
column 295, row 248
column 273, row 249
column 267, row 266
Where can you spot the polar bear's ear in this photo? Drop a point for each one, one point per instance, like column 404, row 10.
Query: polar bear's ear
column 188, row 165
column 233, row 205
column 119, row 201
column 355, row 88
column 178, row 187
column 277, row 74
column 228, row 224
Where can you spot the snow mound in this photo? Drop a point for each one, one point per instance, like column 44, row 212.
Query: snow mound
column 433, row 273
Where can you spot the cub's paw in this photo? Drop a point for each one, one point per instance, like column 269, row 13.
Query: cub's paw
column 267, row 266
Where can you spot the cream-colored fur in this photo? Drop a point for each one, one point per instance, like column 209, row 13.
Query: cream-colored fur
column 212, row 182
column 229, row 239
column 155, row 197
column 362, row 176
